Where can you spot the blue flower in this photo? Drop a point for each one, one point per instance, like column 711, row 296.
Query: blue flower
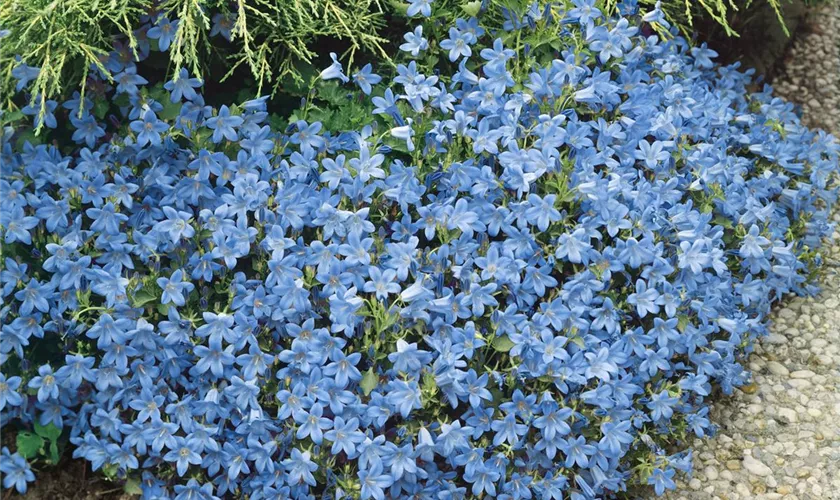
column 222, row 25
column 313, row 423
column 8, row 392
column 176, row 225
column 458, row 44
column 574, row 247
column 374, row 482
column 244, row 392
column 652, row 154
column 422, row 7
column 414, row 42
column 508, row 430
column 16, row 471
column 106, row 219
column 183, row 456
column 183, row 86
column 213, row 358
column 148, row 129
column 662, row 480
column 307, row 137
column 35, row 108
column 194, row 490
column 408, row 358
column 645, row 299
column 365, row 78
column 87, row 129
column 334, row 70
column 24, row 74
column 382, row 283
column 46, row 383
column 404, row 133
column 518, row 270
column 661, row 405
column 164, row 32
column 300, row 467
column 404, row 396
column 128, row 80
column 35, row 296
column 484, row 480
column 16, row 225
column 345, row 436
column 174, row 288
column 77, row 368
column 224, row 125
column 577, row 451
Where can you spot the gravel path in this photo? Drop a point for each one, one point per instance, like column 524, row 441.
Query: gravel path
column 810, row 72
column 779, row 437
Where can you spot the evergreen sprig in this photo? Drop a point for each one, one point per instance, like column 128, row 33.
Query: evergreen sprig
column 685, row 13
column 272, row 38
column 64, row 38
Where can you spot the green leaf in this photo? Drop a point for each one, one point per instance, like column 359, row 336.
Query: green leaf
column 369, row 381
column 682, row 322
column 277, row 122
column 163, row 309
column 11, row 117
column 503, row 343
column 83, row 298
column 54, row 452
column 170, row 110
column 30, row 137
column 307, row 73
column 28, row 444
column 132, row 486
column 110, row 470
column 723, row 221
column 122, row 100
column 100, row 108
column 399, row 7
column 142, row 297
column 578, row 341
column 50, row 431
column 471, row 8
column 429, row 385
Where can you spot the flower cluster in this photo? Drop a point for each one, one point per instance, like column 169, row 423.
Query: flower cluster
column 522, row 279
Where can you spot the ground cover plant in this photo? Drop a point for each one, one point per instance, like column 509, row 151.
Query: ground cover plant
column 265, row 44
column 516, row 265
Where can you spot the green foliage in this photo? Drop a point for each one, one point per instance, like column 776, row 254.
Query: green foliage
column 273, row 37
column 503, row 343
column 65, row 38
column 43, row 442
column 270, row 39
column 369, row 381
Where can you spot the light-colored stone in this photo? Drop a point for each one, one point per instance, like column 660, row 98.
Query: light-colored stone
column 756, row 467
column 711, row 473
column 777, row 368
column 787, row 415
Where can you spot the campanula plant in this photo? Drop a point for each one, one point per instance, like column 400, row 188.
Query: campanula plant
column 516, row 266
